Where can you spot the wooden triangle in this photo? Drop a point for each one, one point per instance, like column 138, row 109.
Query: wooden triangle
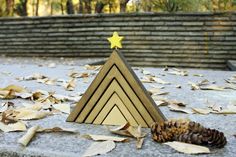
column 115, row 116
column 116, row 68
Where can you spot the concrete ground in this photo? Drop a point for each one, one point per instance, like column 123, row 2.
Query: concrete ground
column 68, row 145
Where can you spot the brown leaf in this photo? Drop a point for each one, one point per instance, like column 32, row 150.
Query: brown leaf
column 105, row 138
column 99, row 148
column 57, row 129
column 121, row 130
column 5, row 94
column 70, row 86
column 24, row 140
column 188, row 148
column 14, row 88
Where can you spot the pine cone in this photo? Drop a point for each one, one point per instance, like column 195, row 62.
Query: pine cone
column 188, row 132
column 162, row 132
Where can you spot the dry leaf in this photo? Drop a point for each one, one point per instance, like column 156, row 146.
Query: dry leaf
column 139, row 143
column 18, row 126
column 212, row 87
column 52, row 65
column 57, row 129
column 99, row 148
column 180, row 109
column 188, row 148
column 65, row 108
column 92, row 67
column 5, row 106
column 156, row 91
column 33, row 77
column 105, row 138
column 70, row 86
column 27, row 114
column 24, row 140
column 160, row 81
column 121, row 130
column 178, row 86
column 5, row 94
column 145, row 72
column 14, row 88
column 161, row 103
column 198, row 75
column 179, row 72
column 201, row 110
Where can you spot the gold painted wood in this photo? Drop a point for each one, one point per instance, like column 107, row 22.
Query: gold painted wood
column 118, row 60
column 115, row 117
column 106, row 111
column 114, row 87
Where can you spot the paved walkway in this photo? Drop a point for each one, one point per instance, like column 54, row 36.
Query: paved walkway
column 57, row 144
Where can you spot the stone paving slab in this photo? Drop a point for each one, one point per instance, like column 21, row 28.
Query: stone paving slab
column 67, row 145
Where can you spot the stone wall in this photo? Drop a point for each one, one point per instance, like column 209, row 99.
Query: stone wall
column 204, row 40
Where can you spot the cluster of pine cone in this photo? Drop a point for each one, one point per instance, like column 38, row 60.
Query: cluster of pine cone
column 188, row 132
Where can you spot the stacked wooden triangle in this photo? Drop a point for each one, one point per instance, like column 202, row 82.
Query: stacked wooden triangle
column 116, row 96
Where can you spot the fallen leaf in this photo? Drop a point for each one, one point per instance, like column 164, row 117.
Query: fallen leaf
column 5, row 94
column 92, row 67
column 121, row 130
column 70, row 86
column 65, row 108
column 52, row 65
column 156, row 91
column 12, row 127
column 99, row 148
column 180, row 109
column 145, row 72
column 5, row 106
column 33, row 77
column 105, row 138
column 212, row 87
column 139, row 143
column 160, row 81
column 57, row 129
column 179, row 72
column 27, row 114
column 198, row 75
column 14, row 88
column 201, row 110
column 24, row 140
column 188, row 148
column 161, row 103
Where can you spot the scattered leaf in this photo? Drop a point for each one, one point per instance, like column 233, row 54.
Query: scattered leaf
column 179, row 72
column 27, row 114
column 92, row 67
column 198, row 75
column 12, row 127
column 24, row 140
column 156, row 91
column 188, row 148
column 65, row 108
column 201, row 110
column 70, row 86
column 105, row 138
column 99, row 148
column 145, row 72
column 52, row 65
column 180, row 109
column 212, row 87
column 57, row 129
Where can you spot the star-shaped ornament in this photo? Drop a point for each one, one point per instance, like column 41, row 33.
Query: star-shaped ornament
column 115, row 40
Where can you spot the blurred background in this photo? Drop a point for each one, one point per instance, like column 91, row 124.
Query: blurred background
column 62, row 7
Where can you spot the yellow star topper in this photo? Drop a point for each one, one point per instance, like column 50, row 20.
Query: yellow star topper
column 115, row 41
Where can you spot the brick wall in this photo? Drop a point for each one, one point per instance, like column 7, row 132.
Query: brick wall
column 203, row 40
